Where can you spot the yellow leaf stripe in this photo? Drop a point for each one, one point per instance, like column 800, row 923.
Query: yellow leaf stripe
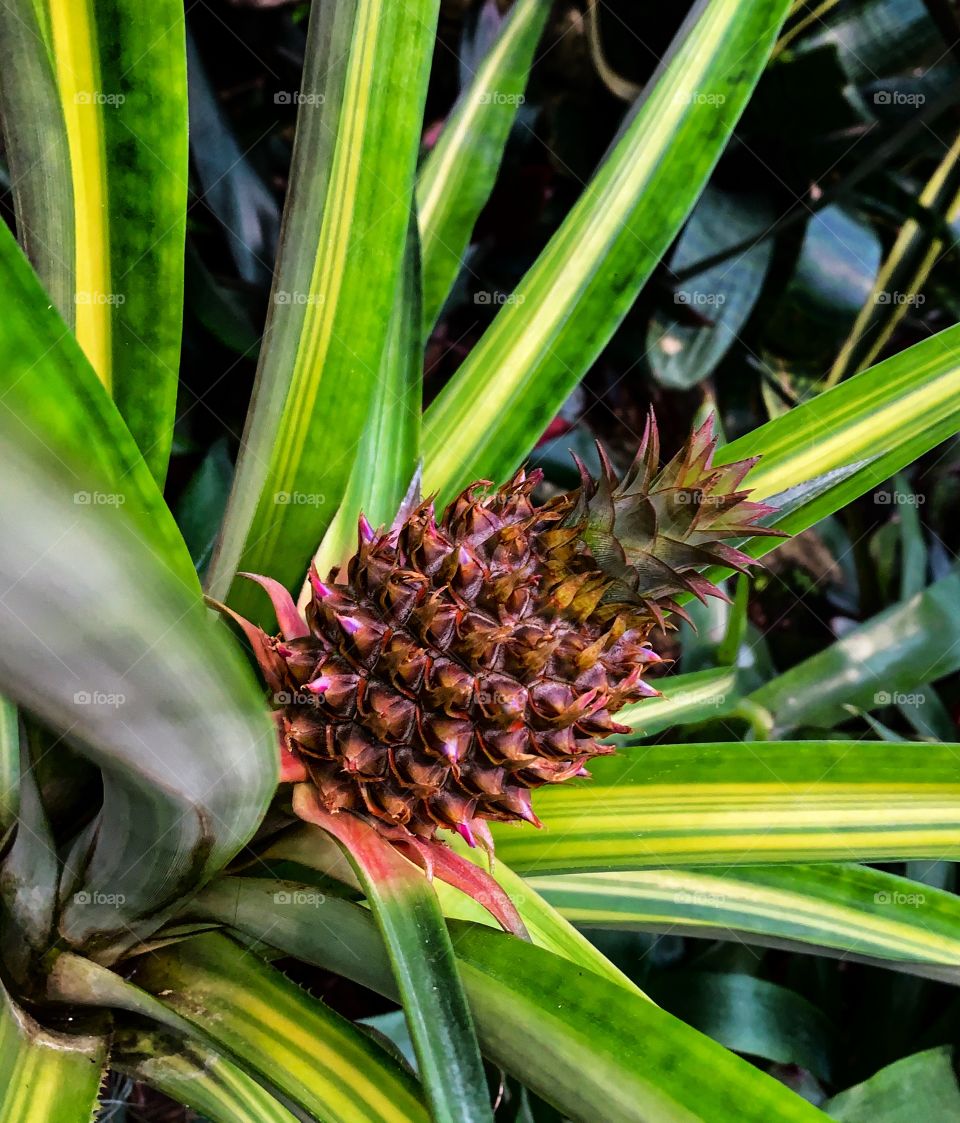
column 844, row 907
column 72, row 23
column 43, row 1077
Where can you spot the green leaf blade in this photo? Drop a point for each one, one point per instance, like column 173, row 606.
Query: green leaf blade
column 46, row 1077
column 459, row 172
column 778, row 801
column 337, row 275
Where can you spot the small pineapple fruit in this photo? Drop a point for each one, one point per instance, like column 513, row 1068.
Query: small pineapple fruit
column 465, row 661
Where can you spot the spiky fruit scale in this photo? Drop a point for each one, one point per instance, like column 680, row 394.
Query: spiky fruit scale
column 458, row 664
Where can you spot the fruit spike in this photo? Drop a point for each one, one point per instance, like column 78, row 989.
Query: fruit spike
column 462, row 662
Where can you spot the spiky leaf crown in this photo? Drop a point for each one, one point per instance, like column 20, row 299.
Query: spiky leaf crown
column 458, row 664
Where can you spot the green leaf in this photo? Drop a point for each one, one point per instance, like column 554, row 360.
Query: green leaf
column 36, row 150
column 842, row 443
column 459, row 173
column 576, row 1039
column 312, row 1055
column 120, row 73
column 847, row 910
column 880, row 663
column 546, row 927
column 29, row 877
column 749, row 1015
column 345, row 225
column 105, row 645
column 686, row 699
column 682, row 354
column 923, row 1086
column 46, row 1077
column 778, row 801
column 9, row 763
column 408, row 915
column 195, row 1076
column 50, row 390
column 568, row 305
column 389, row 450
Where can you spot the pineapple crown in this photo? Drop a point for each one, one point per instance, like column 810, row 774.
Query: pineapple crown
column 653, row 531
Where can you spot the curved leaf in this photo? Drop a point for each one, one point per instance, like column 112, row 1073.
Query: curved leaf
column 46, row 1077
column 37, row 152
column 922, row 1086
column 685, row 699
column 104, row 645
column 196, row 1076
column 389, row 452
column 778, row 801
column 314, row 1056
column 750, row 1015
column 846, row 910
column 49, row 389
column 888, row 658
column 822, row 454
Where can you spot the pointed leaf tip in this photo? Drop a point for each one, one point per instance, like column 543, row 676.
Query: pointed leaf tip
column 292, row 624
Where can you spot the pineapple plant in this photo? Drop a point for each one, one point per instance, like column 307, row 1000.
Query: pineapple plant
column 456, row 668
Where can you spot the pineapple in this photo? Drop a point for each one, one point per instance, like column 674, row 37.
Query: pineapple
column 460, row 663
